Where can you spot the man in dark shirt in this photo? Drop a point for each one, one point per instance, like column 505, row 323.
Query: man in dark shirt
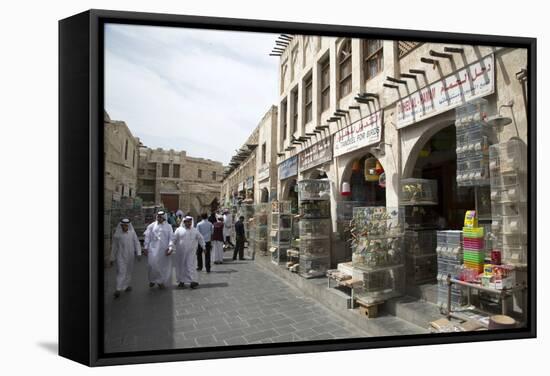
column 212, row 218
column 240, row 239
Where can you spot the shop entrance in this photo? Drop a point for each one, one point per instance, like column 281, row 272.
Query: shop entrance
column 437, row 161
column 367, row 181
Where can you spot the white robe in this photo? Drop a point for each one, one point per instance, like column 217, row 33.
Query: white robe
column 227, row 225
column 184, row 244
column 217, row 251
column 125, row 247
column 157, row 241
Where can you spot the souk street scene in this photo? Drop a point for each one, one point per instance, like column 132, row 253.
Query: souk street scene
column 272, row 188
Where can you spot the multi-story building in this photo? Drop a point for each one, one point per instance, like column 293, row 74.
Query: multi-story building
column 177, row 181
column 121, row 160
column 266, row 158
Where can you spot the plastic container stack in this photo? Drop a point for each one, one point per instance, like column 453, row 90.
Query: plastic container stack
column 508, row 164
column 281, row 231
column 473, row 137
column 449, row 262
column 378, row 253
column 315, row 227
column 474, row 248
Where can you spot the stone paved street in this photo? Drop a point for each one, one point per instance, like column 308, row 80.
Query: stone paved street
column 237, row 303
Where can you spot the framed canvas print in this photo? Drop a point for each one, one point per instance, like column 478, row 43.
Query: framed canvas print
column 245, row 187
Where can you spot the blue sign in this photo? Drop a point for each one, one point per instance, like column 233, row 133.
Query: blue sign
column 288, row 168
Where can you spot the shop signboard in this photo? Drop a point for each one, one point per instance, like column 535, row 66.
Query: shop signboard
column 364, row 132
column 315, row 155
column 263, row 172
column 288, row 168
column 250, row 182
column 475, row 81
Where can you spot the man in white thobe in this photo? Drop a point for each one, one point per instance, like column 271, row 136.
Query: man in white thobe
column 125, row 247
column 157, row 241
column 184, row 244
column 227, row 228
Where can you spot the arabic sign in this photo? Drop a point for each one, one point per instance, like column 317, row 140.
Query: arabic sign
column 250, row 182
column 288, row 168
column 241, row 186
column 364, row 132
column 263, row 172
column 474, row 81
column 315, row 155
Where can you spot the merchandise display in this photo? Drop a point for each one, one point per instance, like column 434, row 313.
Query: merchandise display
column 449, row 263
column 281, row 230
column 377, row 257
column 473, row 137
column 418, row 192
column 260, row 231
column 509, row 201
column 315, row 227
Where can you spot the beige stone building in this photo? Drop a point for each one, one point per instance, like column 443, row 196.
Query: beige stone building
column 121, row 160
column 177, row 181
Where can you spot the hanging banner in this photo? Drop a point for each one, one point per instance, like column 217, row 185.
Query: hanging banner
column 315, row 155
column 475, row 81
column 288, row 168
column 361, row 133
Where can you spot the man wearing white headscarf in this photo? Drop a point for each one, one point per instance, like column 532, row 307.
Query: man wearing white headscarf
column 125, row 247
column 156, row 248
column 184, row 244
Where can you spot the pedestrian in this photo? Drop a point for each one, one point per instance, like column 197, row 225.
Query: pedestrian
column 212, row 219
column 124, row 250
column 205, row 228
column 156, row 244
column 239, row 239
column 184, row 244
column 217, row 241
column 228, row 227
column 172, row 220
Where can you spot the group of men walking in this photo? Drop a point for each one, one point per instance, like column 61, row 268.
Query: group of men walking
column 182, row 249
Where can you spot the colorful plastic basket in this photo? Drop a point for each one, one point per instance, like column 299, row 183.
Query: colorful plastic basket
column 472, row 232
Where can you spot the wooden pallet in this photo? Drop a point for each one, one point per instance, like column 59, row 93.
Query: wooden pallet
column 369, row 309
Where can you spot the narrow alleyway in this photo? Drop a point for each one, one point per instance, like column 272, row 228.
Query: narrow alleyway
column 237, row 303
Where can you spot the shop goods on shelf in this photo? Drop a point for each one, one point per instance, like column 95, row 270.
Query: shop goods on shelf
column 474, row 243
column 473, row 232
column 509, row 225
column 281, row 206
column 281, row 237
column 420, row 242
column 473, row 138
column 379, row 284
column 508, row 180
column 312, row 267
column 418, row 192
column 421, row 269
column 313, row 190
column 448, row 266
column 315, row 228
column 344, row 209
column 508, row 156
column 279, row 254
column 315, row 209
column 281, row 221
column 509, row 209
column 418, row 217
column 377, row 221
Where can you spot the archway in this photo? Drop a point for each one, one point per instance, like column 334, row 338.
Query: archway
column 289, row 194
column 365, row 176
column 264, row 195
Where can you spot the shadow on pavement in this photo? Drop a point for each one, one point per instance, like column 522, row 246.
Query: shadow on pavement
column 210, row 285
column 51, row 347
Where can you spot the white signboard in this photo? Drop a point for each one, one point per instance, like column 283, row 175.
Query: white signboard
column 241, row 187
column 475, row 81
column 263, row 172
column 364, row 132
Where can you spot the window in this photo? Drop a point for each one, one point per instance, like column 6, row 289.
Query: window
column 141, row 171
column 126, row 150
column 264, row 149
column 122, row 193
column 176, row 172
column 308, row 98
column 134, row 158
column 130, row 192
column 165, row 170
column 344, row 68
column 199, row 173
column 294, row 110
column 213, row 175
column 284, row 124
column 373, row 57
column 148, row 183
column 325, row 84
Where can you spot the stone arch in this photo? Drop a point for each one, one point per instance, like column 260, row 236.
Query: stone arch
column 264, row 196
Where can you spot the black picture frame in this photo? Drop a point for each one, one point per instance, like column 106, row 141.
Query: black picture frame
column 81, row 182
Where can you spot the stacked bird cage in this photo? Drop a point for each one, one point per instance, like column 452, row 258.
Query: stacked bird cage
column 449, row 263
column 508, row 164
column 473, row 136
column 260, row 229
column 315, row 227
column 280, row 231
column 377, row 257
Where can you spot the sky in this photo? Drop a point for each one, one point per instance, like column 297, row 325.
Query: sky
column 202, row 91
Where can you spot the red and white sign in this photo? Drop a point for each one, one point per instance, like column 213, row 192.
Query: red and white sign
column 364, row 132
column 475, row 81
